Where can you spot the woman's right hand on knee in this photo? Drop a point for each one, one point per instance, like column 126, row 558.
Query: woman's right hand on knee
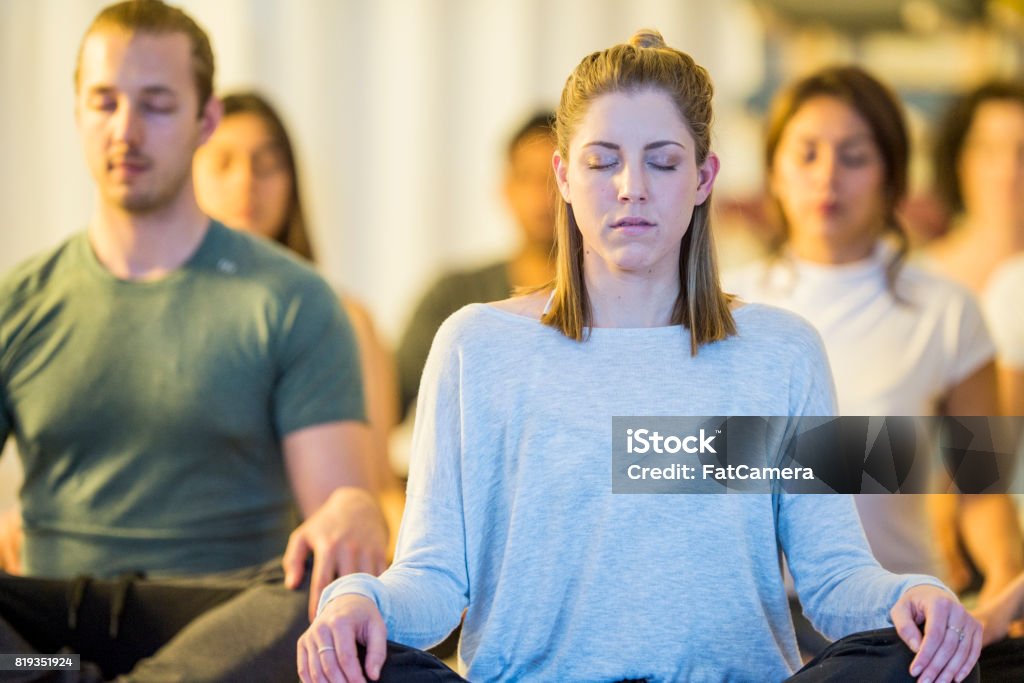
column 327, row 650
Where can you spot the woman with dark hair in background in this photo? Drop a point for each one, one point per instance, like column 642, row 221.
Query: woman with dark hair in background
column 246, row 177
column 979, row 176
column 511, row 515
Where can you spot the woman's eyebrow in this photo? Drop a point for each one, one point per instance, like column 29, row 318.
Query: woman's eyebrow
column 664, row 143
column 652, row 145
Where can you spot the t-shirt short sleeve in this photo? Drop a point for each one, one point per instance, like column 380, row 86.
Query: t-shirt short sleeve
column 6, row 420
column 973, row 345
column 319, row 379
column 1003, row 304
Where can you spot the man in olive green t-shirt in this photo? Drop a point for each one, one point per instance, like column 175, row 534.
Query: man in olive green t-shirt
column 177, row 391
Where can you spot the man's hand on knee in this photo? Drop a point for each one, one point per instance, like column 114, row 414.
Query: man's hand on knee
column 347, row 534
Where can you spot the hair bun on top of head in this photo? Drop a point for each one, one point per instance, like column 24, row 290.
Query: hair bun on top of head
column 647, row 37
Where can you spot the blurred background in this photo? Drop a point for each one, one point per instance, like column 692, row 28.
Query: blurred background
column 400, row 109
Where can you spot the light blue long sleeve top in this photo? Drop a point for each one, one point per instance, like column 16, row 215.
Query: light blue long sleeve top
column 510, row 513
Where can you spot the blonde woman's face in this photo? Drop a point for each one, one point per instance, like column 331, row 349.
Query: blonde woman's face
column 633, row 181
column 828, row 175
column 242, row 177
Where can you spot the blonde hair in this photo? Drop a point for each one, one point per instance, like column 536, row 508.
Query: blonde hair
column 645, row 62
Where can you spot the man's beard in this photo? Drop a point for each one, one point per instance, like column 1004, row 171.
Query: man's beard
column 150, row 200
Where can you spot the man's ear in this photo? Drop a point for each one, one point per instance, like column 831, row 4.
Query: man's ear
column 209, row 117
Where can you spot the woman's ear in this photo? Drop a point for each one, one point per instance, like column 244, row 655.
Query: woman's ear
column 561, row 175
column 706, row 174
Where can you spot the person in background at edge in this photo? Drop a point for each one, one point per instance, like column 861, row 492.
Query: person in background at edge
column 978, row 166
column 1002, row 304
column 529, row 189
column 978, row 160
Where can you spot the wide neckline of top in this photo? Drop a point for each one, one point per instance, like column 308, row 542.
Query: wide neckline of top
column 493, row 311
column 869, row 266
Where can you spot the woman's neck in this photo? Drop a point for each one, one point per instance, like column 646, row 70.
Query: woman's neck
column 1000, row 236
column 629, row 300
column 832, row 251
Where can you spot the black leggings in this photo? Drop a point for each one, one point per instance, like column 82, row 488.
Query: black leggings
column 1001, row 662
column 868, row 656
column 229, row 627
column 877, row 655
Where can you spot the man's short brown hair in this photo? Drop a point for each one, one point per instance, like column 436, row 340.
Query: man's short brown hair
column 157, row 18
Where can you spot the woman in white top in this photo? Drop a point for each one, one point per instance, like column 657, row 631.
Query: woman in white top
column 900, row 340
column 510, row 513
column 1005, row 313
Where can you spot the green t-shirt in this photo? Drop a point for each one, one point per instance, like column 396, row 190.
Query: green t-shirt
column 149, row 415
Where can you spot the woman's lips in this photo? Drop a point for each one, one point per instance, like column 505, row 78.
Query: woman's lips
column 632, row 225
column 829, row 208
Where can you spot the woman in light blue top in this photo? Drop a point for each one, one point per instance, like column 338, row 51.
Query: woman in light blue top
column 511, row 516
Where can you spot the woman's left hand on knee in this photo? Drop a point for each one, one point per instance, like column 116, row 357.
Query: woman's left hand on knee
column 951, row 643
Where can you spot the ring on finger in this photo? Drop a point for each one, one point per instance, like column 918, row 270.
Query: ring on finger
column 328, row 648
column 958, row 631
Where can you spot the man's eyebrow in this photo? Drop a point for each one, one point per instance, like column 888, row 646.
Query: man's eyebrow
column 158, row 90
column 147, row 90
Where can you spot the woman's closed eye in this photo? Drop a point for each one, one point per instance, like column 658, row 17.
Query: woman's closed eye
column 268, row 161
column 856, row 157
column 663, row 162
column 600, row 162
